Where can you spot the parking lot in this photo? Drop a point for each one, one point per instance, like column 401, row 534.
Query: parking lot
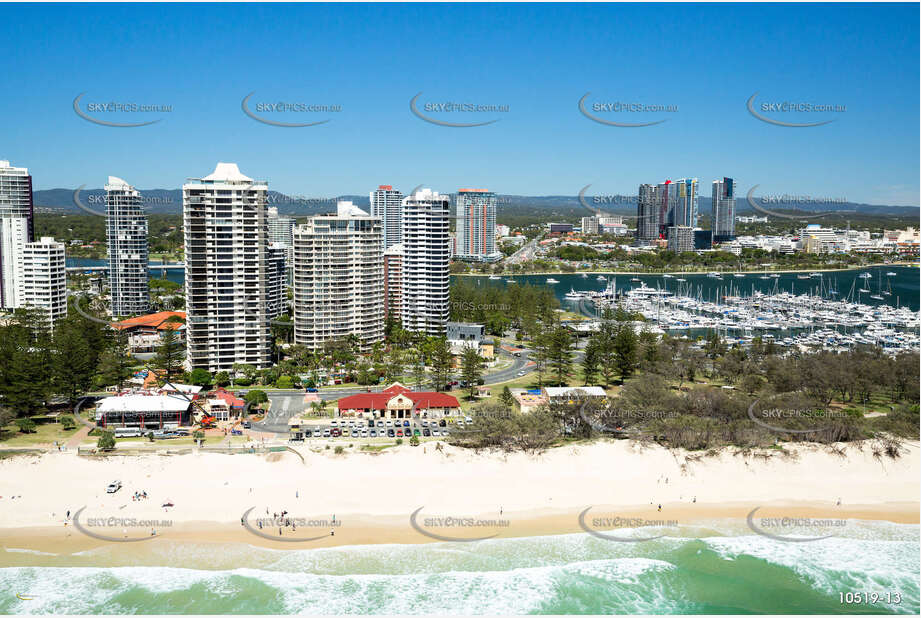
column 397, row 428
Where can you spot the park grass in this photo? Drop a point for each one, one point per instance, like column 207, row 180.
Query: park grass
column 45, row 433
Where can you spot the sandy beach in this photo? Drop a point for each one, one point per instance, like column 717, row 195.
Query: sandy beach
column 372, row 496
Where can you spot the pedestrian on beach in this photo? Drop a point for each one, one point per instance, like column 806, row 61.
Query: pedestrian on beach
column 332, row 532
column 660, row 507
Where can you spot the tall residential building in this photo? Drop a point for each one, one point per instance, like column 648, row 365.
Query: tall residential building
column 276, row 285
column 126, row 235
column 723, row 219
column 42, row 279
column 680, row 238
column 17, row 226
column 226, row 274
column 281, row 232
column 590, row 225
column 426, row 262
column 387, row 205
column 647, row 213
column 475, row 212
column 280, row 227
column 393, row 283
column 338, row 278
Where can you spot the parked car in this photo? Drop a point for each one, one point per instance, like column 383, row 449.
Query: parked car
column 442, row 423
column 312, row 390
column 247, row 425
column 390, row 433
column 371, row 422
column 416, row 432
column 335, row 432
column 425, row 423
column 334, row 422
column 426, row 433
column 113, row 487
column 389, row 423
column 373, row 433
column 326, row 433
column 405, row 423
column 399, row 433
column 435, row 433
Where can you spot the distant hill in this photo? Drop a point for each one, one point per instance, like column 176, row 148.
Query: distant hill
column 169, row 201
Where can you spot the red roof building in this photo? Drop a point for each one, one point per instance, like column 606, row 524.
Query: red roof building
column 397, row 401
column 232, row 400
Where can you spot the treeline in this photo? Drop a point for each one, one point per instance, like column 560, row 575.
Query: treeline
column 164, row 231
column 37, row 365
column 754, row 397
column 500, row 307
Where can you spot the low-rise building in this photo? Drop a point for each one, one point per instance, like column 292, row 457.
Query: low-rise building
column 465, row 331
column 527, row 401
column 146, row 331
column 571, row 394
column 399, row 402
column 144, row 411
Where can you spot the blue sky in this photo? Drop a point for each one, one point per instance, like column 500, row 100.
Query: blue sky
column 539, row 60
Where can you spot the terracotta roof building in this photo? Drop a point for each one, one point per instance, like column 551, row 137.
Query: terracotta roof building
column 397, row 401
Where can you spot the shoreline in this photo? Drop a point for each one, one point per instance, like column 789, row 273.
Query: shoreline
column 536, row 493
column 367, row 530
column 687, row 272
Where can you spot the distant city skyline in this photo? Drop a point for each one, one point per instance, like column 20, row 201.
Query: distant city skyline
column 531, row 75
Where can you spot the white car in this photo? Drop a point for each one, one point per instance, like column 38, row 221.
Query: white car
column 389, row 423
column 520, row 373
column 364, row 433
column 334, row 423
column 468, row 419
column 113, row 487
column 351, row 423
column 435, row 433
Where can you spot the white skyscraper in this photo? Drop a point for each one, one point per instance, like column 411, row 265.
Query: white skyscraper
column 426, row 262
column 387, row 205
column 338, row 278
column 126, row 233
column 226, row 276
column 476, row 225
column 42, row 279
column 16, row 226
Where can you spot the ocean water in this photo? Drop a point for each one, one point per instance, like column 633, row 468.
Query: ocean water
column 718, row 568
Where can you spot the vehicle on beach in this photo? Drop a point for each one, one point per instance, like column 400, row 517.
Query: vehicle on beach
column 113, row 487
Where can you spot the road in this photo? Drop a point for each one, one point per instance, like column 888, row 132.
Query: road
column 289, row 403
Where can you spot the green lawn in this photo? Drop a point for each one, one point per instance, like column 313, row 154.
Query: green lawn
column 45, row 433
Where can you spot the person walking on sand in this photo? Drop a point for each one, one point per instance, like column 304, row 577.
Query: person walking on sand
column 660, row 508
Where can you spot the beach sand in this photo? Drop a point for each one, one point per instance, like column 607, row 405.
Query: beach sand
column 372, row 496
